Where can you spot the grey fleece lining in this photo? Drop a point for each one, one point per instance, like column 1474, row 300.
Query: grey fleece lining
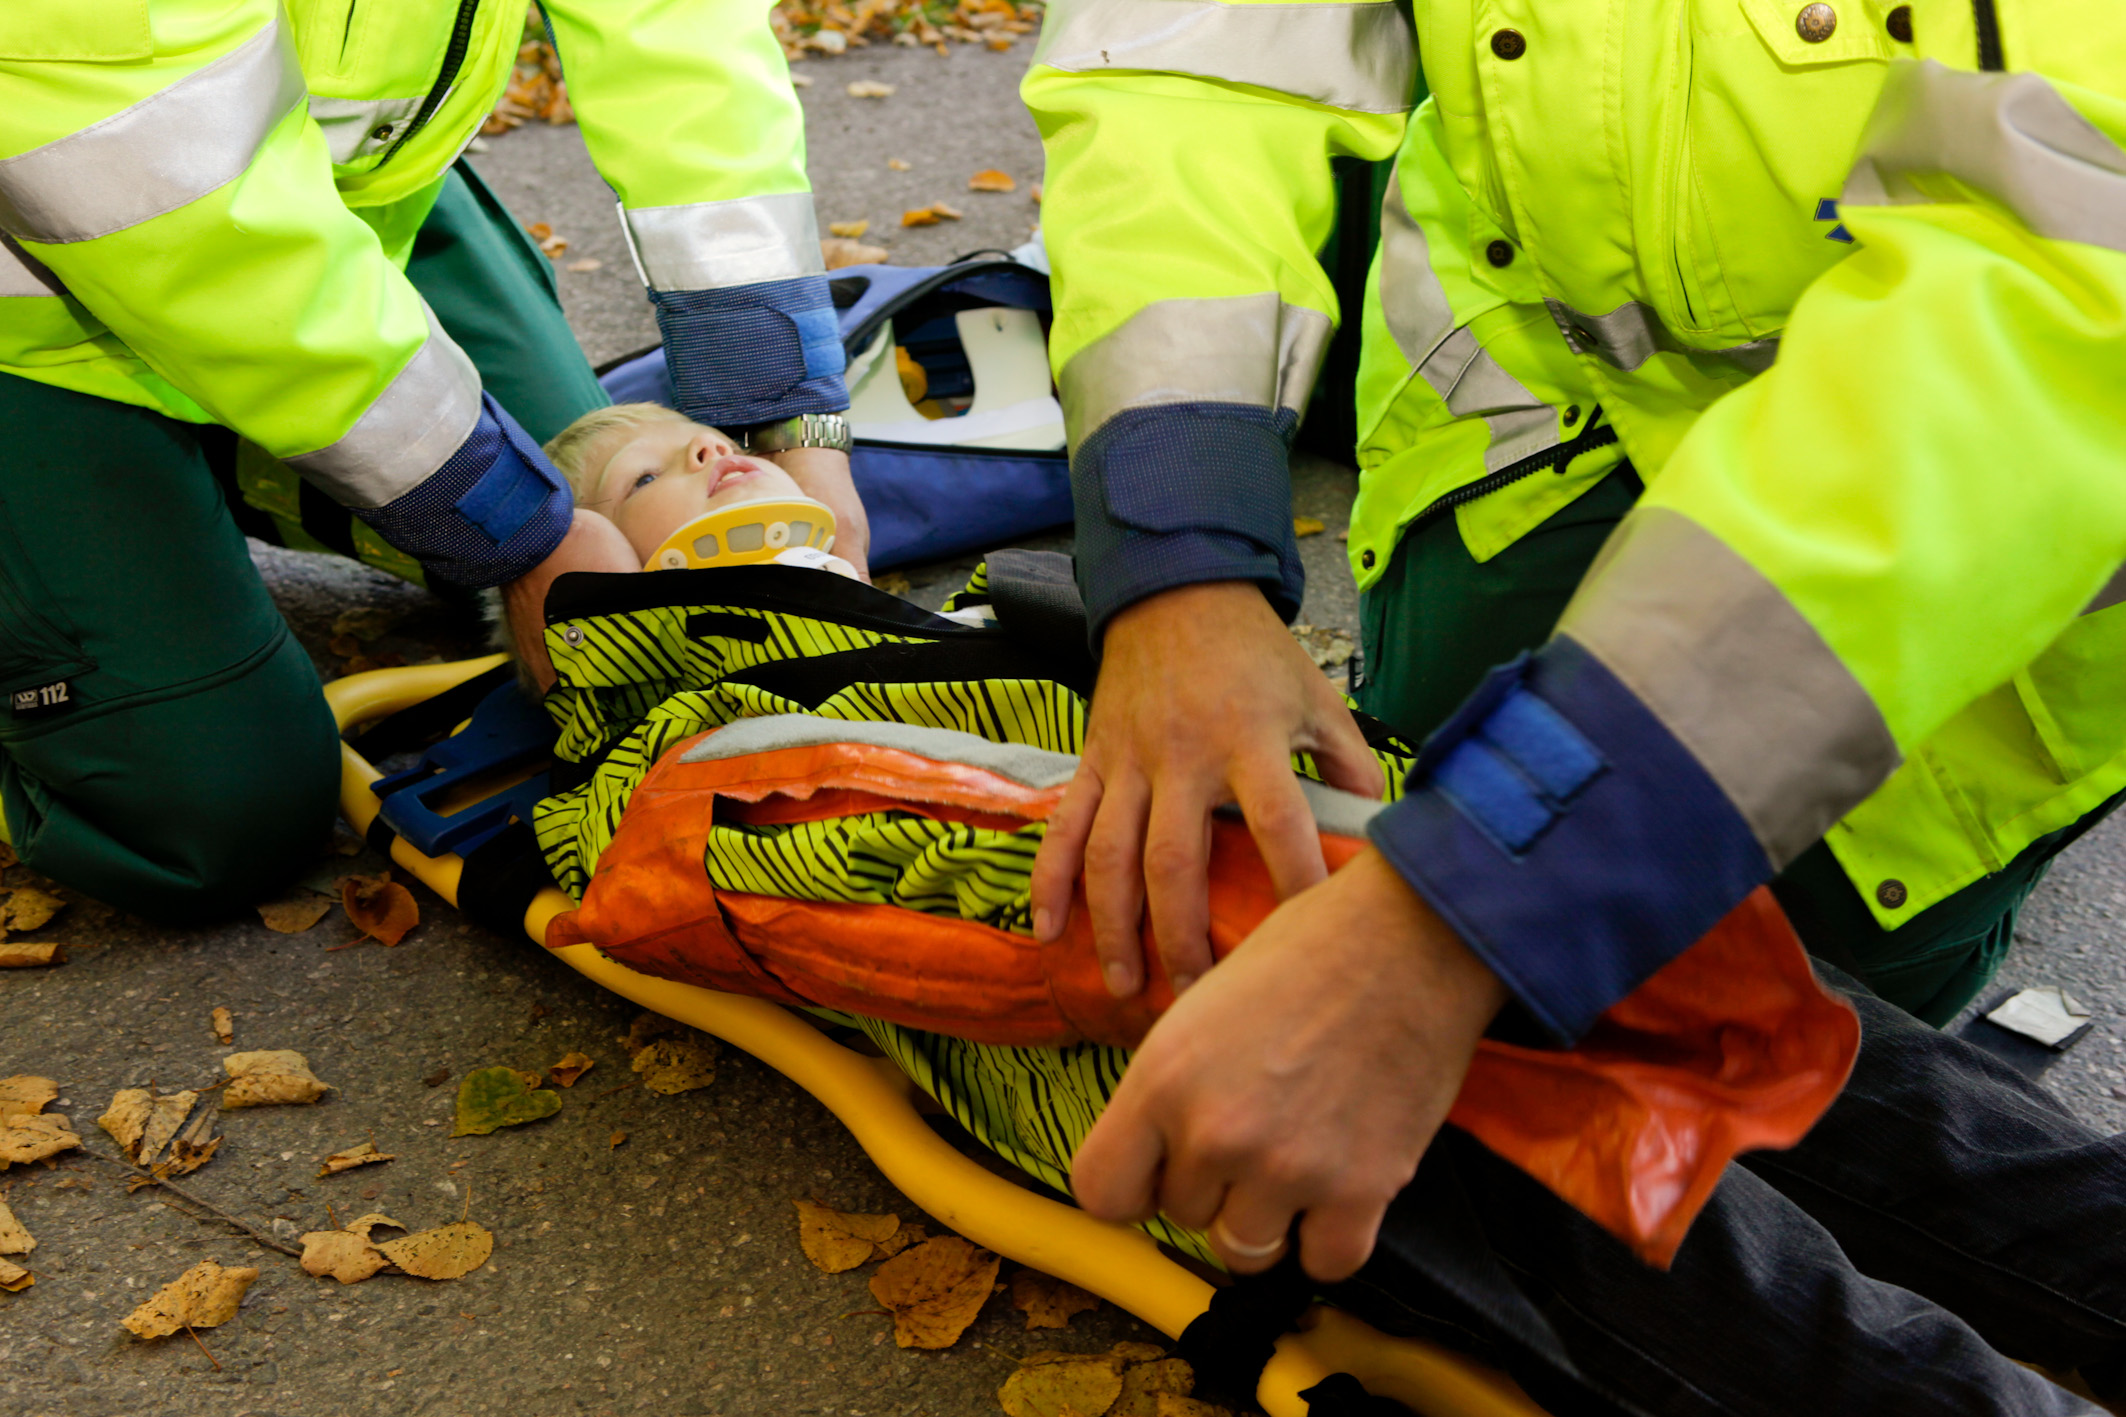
column 1336, row 812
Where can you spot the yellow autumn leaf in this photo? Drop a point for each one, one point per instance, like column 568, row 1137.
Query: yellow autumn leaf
column 364, row 1155
column 935, row 1290
column 1147, row 1385
column 294, row 912
column 224, row 1027
column 1050, row 1384
column 14, row 1278
column 30, row 954
column 850, row 229
column 869, row 88
column 34, row 1137
column 201, row 1297
column 989, row 179
column 1308, row 526
column 571, row 1067
column 837, row 1240
column 675, row 1065
column 28, row 908
column 1047, row 1301
column 446, row 1252
column 143, row 1124
column 269, row 1077
column 25, row 1095
column 14, row 1239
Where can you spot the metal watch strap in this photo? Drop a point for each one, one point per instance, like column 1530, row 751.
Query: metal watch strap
column 807, row 430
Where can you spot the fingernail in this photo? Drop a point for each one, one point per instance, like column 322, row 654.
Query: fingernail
column 1182, row 982
column 1120, row 981
column 1044, row 925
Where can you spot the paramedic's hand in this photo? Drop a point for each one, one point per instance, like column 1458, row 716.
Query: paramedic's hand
column 823, row 475
column 1202, row 699
column 1300, row 1080
column 592, row 544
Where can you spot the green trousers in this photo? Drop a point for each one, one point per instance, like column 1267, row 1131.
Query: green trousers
column 1438, row 620
column 164, row 746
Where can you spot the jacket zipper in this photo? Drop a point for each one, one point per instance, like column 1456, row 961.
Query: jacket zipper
column 1558, row 455
column 1988, row 24
column 453, row 60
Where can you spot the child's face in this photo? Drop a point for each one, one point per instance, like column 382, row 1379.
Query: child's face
column 662, row 475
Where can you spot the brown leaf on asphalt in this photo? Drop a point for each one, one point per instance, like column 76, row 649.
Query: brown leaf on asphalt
column 364, row 1155
column 919, row 216
column 618, row 1139
column 935, row 1290
column 436, row 1078
column 1308, row 526
column 586, row 265
column 29, row 954
column 269, row 1077
column 675, row 1065
column 14, row 1278
column 1051, row 1384
column 447, row 1252
column 32, row 1137
column 380, row 907
column 201, row 1297
column 571, row 1067
column 192, row 1149
column 28, row 908
column 224, row 1027
column 901, row 1239
column 25, row 1095
column 989, row 179
column 492, row 1098
column 837, row 1240
column 850, row 229
column 897, row 165
column 1175, row 1405
column 339, row 1255
column 947, row 211
column 1047, row 1301
column 143, row 1124
column 839, row 251
column 646, row 1028
column 294, row 912
column 14, row 1240
column 870, row 88
column 1145, row 1386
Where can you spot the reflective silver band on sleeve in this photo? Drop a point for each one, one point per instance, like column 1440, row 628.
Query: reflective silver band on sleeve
column 362, row 127
column 1446, row 355
column 164, row 152
column 1721, row 656
column 1361, row 57
column 1244, row 349
column 423, row 415
column 1632, row 333
column 706, row 245
column 23, row 274
column 2010, row 136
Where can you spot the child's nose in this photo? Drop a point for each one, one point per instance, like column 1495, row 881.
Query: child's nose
column 709, row 445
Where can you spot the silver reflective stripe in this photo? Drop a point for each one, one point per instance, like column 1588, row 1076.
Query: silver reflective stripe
column 710, row 244
column 23, row 274
column 362, row 127
column 2010, row 136
column 423, row 416
column 166, row 151
column 1244, row 349
column 1447, row 355
column 1361, row 57
column 1730, row 667
column 1632, row 333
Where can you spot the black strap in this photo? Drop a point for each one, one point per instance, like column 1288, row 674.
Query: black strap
column 431, row 718
column 1341, row 1395
column 1230, row 1343
column 501, row 877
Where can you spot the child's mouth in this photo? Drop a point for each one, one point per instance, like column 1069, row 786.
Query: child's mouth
column 729, row 471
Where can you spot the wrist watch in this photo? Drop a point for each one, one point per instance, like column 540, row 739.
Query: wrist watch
column 807, row 430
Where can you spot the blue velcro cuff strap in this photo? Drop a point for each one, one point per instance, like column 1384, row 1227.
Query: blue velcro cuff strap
column 1180, row 494
column 1567, row 836
column 747, row 354
column 493, row 510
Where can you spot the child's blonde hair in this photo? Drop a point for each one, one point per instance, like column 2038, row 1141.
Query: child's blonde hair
column 571, row 446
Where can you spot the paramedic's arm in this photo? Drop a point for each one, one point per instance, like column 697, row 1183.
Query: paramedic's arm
column 185, row 199
column 687, row 108
column 1749, row 660
column 1189, row 187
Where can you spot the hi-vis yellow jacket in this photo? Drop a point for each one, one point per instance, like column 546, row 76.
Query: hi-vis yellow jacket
column 1845, row 279
column 207, row 206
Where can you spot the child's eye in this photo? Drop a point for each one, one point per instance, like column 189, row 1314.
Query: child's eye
column 643, row 481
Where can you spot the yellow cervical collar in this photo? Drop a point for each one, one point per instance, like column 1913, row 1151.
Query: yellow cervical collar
column 746, row 533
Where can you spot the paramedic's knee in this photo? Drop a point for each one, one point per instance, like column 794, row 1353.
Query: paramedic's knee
column 187, row 807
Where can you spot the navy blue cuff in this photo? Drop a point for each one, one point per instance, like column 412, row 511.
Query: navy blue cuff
column 1180, row 494
column 747, row 354
column 1569, row 838
column 490, row 513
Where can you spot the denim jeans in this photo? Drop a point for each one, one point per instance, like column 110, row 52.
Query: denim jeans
column 1944, row 1218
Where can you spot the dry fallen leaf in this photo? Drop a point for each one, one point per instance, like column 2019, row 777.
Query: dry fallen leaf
column 839, row 251
column 28, row 954
column 14, row 1240
column 897, row 165
column 618, row 1139
column 142, row 1123
column 201, row 1297
column 366, row 622
column 501, row 1097
column 571, row 1067
column 893, row 583
column 935, row 1290
column 947, row 211
column 364, row 1155
column 447, row 1252
column 837, row 1240
column 269, row 1077
column 1308, row 526
column 1050, row 1384
column 192, row 1149
column 919, row 216
column 348, row 1255
column 1048, row 1301
column 380, row 907
column 28, row 908
column 1169, row 1404
column 674, row 1065
column 34, row 1136
column 647, row 1027
column 224, row 1027
column 900, row 1240
column 344, row 645
column 586, row 265
column 870, row 88
column 25, row 1095
column 1147, row 1385
column 294, row 912
column 14, row 1278
column 850, row 229
column 989, row 179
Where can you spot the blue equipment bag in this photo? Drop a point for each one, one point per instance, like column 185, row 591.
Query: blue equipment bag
column 929, row 491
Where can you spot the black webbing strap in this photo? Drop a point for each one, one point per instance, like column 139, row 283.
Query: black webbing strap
column 1230, row 1343
column 431, row 718
column 1341, row 1395
column 501, row 877
column 1035, row 596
